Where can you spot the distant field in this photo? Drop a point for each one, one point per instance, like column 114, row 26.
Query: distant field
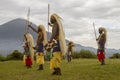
column 78, row 69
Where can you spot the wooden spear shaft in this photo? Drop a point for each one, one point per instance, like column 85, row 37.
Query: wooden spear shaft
column 94, row 30
column 28, row 15
column 48, row 18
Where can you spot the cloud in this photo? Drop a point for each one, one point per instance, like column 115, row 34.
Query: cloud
column 77, row 15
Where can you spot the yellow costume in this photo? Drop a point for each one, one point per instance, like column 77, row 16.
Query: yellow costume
column 56, row 60
column 39, row 58
column 60, row 48
column 40, row 43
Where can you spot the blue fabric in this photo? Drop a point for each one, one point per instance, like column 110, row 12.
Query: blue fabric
column 101, row 45
column 100, row 50
column 57, row 48
column 40, row 47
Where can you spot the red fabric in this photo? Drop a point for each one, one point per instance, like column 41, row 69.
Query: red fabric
column 28, row 61
column 101, row 55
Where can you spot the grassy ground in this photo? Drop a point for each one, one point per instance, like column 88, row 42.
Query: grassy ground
column 78, row 69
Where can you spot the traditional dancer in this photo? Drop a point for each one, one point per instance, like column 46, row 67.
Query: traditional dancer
column 60, row 48
column 26, row 48
column 27, row 51
column 28, row 57
column 41, row 41
column 70, row 51
column 101, row 40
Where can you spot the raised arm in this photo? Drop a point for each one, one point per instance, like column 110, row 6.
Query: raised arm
column 35, row 30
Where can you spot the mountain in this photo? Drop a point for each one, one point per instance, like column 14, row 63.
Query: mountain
column 109, row 52
column 11, row 38
column 11, row 35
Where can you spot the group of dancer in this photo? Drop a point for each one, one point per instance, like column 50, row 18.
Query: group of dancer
column 56, row 45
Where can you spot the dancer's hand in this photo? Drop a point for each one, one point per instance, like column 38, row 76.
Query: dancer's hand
column 49, row 23
column 29, row 25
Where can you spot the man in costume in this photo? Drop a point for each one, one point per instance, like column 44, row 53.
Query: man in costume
column 101, row 40
column 27, row 57
column 60, row 48
column 41, row 41
column 26, row 48
column 70, row 51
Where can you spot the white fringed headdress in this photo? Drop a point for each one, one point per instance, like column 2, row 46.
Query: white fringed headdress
column 44, row 33
column 61, row 34
column 31, row 44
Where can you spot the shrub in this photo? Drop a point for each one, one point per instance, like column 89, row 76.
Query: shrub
column 87, row 54
column 115, row 55
column 15, row 55
column 84, row 54
column 2, row 58
column 76, row 55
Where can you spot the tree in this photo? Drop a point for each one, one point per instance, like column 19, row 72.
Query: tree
column 87, row 54
column 15, row 55
column 76, row 55
column 84, row 54
column 2, row 58
column 115, row 55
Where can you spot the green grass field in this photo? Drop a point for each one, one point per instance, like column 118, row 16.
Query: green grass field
column 78, row 69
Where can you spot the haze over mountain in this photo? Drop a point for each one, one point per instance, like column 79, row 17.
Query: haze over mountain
column 11, row 35
column 11, row 38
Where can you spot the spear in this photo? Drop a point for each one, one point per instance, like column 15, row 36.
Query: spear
column 27, row 23
column 28, row 15
column 94, row 30
column 48, row 18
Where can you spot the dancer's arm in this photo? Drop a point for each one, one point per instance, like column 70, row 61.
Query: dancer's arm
column 33, row 28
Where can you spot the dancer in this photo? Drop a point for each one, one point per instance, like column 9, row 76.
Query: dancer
column 60, row 48
column 101, row 40
column 27, row 51
column 70, row 51
column 41, row 41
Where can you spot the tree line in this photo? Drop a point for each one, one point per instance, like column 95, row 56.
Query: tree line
column 17, row 55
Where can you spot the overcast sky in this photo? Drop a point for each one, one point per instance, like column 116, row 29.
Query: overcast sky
column 78, row 17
